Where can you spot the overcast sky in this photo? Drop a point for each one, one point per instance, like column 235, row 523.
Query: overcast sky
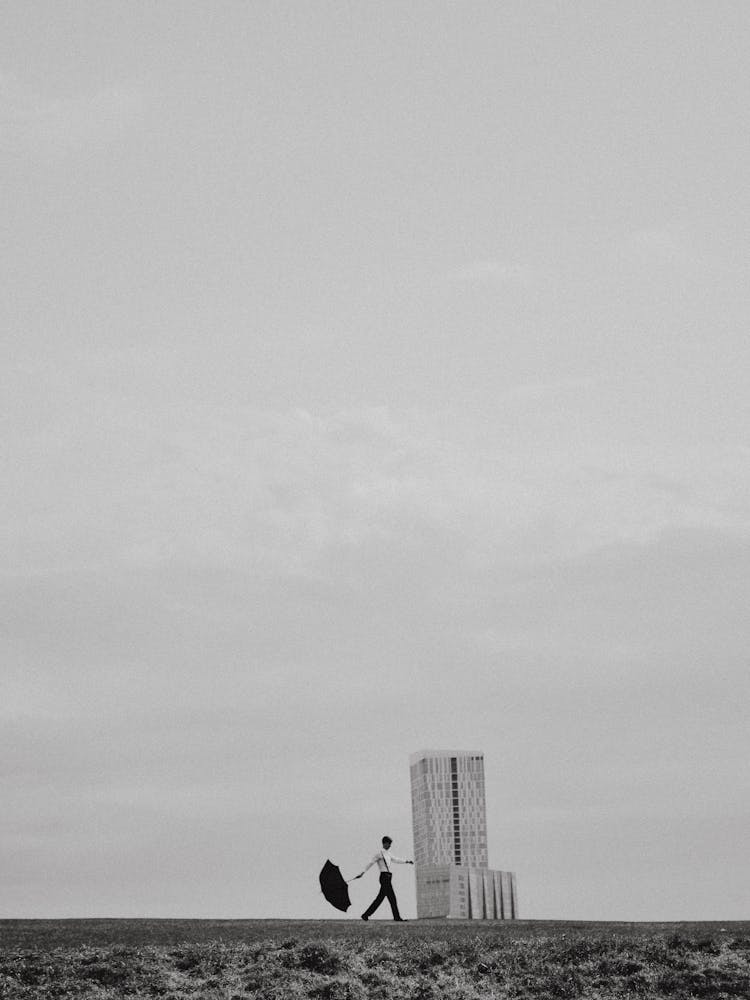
column 376, row 377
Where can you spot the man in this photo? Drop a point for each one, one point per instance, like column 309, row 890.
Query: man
column 384, row 859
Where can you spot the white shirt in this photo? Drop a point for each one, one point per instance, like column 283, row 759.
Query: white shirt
column 384, row 859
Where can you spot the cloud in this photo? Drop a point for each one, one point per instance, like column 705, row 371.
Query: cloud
column 660, row 246
column 678, row 246
column 136, row 481
column 494, row 272
column 551, row 389
column 35, row 125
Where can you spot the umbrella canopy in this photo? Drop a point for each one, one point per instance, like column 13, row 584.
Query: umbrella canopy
column 333, row 886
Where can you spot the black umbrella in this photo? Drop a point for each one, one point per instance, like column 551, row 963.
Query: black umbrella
column 333, row 886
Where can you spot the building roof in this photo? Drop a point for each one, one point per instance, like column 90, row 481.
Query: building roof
column 421, row 754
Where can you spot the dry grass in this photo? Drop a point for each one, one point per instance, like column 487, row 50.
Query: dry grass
column 334, row 960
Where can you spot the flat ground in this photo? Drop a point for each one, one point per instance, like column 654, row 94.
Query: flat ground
column 43, row 934
column 380, row 960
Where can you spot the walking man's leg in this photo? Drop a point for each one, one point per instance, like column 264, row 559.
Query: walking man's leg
column 392, row 899
column 384, row 882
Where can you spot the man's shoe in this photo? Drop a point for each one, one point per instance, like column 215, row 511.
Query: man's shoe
column 400, row 920
column 364, row 917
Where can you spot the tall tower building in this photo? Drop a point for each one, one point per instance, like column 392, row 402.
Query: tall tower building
column 450, row 839
column 450, row 821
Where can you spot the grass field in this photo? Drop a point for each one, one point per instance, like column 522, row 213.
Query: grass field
column 348, row 960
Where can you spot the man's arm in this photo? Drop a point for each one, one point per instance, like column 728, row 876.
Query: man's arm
column 375, row 858
column 401, row 861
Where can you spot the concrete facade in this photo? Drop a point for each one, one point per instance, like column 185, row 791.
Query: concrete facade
column 450, row 840
column 448, row 808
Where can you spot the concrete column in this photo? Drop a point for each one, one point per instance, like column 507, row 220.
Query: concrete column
column 489, row 895
column 497, row 885
column 514, row 896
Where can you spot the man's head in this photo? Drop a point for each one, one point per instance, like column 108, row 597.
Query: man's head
column 387, row 842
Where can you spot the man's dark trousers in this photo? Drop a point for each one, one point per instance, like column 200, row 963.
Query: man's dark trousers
column 386, row 892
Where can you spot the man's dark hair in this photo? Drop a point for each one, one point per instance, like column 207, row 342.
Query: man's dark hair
column 387, row 840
